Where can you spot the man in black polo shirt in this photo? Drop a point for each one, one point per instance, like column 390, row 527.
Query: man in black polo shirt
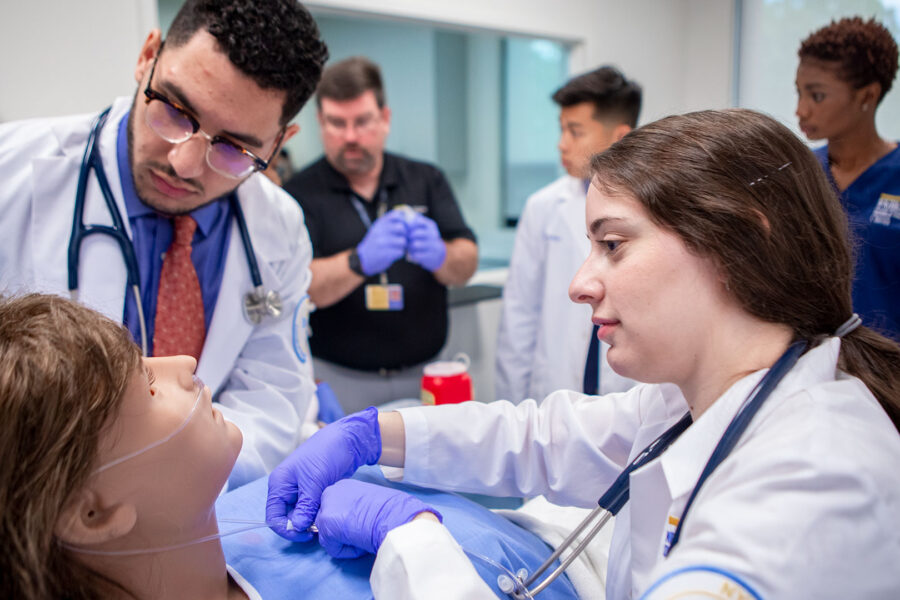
column 387, row 237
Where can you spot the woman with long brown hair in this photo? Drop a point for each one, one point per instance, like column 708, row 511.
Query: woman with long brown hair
column 720, row 274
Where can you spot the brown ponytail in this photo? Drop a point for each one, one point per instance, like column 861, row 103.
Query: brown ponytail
column 876, row 361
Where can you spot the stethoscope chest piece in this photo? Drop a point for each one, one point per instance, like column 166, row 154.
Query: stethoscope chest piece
column 258, row 304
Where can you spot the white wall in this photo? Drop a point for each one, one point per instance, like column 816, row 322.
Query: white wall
column 58, row 56
column 681, row 51
column 61, row 57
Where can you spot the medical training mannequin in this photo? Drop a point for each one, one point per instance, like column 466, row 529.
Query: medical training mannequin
column 716, row 243
column 75, row 395
column 846, row 69
column 110, row 473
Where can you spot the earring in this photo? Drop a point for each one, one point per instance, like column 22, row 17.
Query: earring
column 865, row 106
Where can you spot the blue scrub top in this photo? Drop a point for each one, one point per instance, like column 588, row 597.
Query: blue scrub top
column 872, row 203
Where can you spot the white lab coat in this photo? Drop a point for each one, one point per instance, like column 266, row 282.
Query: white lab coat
column 255, row 374
column 543, row 340
column 804, row 506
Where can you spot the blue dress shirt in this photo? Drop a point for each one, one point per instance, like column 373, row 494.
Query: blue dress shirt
column 151, row 235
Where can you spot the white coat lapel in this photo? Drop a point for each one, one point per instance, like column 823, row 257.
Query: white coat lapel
column 102, row 272
column 228, row 329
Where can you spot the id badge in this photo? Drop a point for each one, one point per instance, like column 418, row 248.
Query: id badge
column 387, row 296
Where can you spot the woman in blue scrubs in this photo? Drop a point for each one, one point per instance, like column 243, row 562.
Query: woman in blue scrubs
column 846, row 68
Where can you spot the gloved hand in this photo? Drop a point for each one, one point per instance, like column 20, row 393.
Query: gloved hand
column 355, row 516
column 332, row 453
column 426, row 248
column 329, row 408
column 384, row 244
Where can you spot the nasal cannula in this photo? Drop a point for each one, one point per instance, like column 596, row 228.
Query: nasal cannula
column 200, row 385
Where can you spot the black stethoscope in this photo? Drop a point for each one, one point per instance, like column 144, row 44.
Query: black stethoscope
column 258, row 303
column 617, row 495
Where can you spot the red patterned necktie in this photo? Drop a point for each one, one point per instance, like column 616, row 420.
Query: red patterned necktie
column 179, row 327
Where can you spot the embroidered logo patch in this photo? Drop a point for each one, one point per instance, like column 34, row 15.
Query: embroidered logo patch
column 888, row 208
column 671, row 526
column 694, row 583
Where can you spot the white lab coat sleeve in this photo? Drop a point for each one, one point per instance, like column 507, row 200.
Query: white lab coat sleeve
column 570, row 448
column 270, row 391
column 420, row 560
column 523, row 295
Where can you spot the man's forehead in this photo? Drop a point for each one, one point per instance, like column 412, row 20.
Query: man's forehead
column 582, row 112
column 199, row 76
column 363, row 104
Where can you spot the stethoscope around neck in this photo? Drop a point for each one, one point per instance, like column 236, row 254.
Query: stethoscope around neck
column 611, row 502
column 258, row 303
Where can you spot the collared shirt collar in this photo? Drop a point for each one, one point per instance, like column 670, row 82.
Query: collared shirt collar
column 684, row 460
column 205, row 216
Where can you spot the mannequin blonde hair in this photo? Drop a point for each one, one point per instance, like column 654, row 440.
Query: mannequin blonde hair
column 63, row 371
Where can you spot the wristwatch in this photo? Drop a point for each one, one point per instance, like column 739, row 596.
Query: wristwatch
column 354, row 264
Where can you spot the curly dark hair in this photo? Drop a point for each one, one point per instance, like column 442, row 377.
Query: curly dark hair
column 274, row 42
column 864, row 50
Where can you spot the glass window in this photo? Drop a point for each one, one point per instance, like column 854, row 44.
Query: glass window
column 771, row 32
column 533, row 71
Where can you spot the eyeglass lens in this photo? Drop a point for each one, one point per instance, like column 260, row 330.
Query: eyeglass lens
column 174, row 126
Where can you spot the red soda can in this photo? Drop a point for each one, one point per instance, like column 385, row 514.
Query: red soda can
column 447, row 382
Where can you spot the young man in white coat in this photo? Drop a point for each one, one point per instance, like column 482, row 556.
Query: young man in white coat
column 213, row 105
column 544, row 338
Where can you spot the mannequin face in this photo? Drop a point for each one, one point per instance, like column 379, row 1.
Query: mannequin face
column 180, row 478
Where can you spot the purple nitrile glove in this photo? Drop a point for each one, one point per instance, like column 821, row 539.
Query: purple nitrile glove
column 355, row 516
column 329, row 408
column 426, row 248
column 384, row 244
column 332, row 453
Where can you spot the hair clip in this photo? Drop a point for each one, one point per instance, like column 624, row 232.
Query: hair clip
column 764, row 177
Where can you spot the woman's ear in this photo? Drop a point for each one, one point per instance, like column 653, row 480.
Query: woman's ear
column 620, row 131
column 868, row 96
column 85, row 520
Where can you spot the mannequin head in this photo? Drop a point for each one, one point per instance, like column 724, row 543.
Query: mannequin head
column 74, row 395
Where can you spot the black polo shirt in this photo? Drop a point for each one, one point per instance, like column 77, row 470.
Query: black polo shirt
column 347, row 333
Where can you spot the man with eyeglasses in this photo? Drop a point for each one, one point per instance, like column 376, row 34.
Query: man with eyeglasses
column 388, row 238
column 213, row 106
